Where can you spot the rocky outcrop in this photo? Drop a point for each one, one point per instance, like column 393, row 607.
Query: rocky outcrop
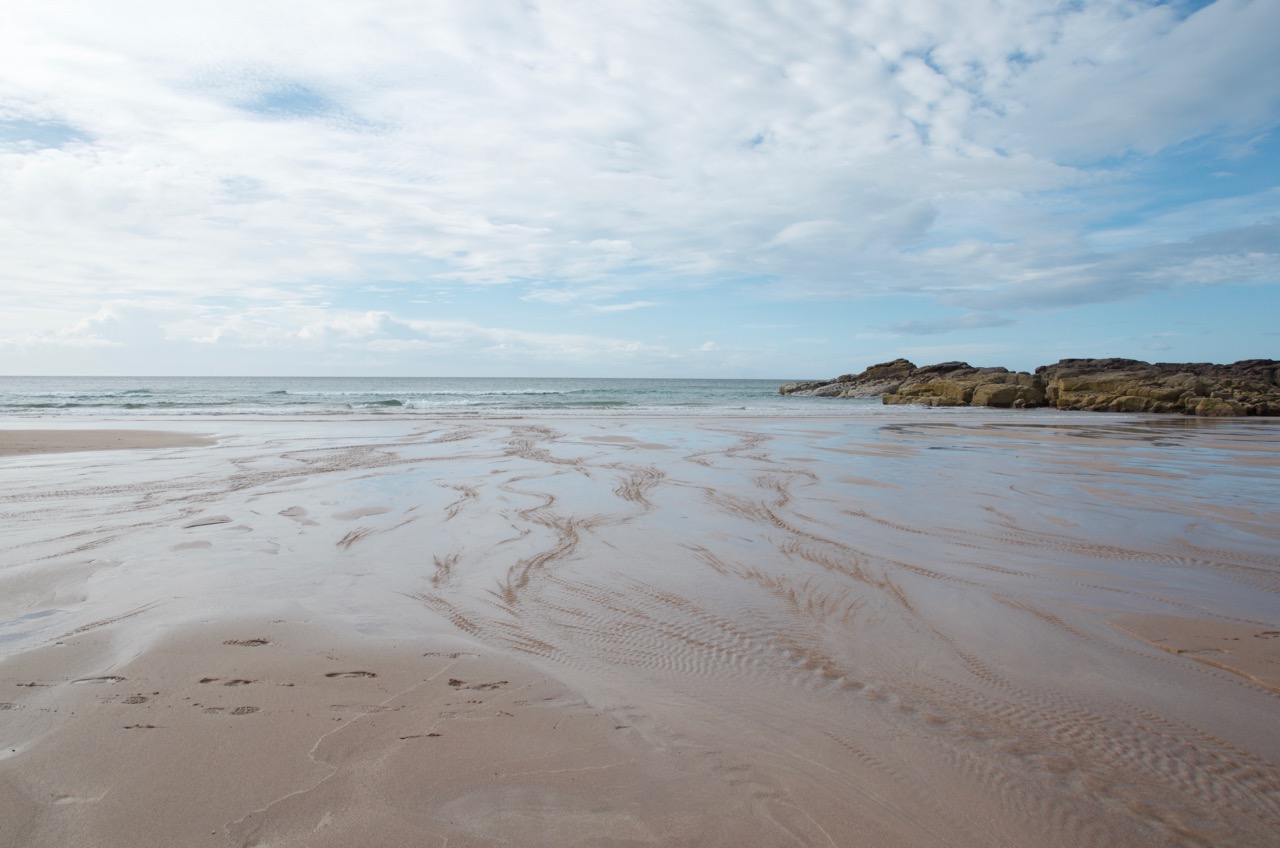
column 1100, row 385
column 876, row 381
column 944, row 384
column 1128, row 385
column 960, row 384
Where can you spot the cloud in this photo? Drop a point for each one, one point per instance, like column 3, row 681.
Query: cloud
column 622, row 307
column 558, row 155
column 1141, row 77
column 1008, row 277
column 356, row 328
column 119, row 323
column 325, row 332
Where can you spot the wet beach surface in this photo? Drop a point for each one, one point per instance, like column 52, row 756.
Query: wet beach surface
column 988, row 629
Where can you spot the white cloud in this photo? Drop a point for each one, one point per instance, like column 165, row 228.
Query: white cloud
column 1032, row 277
column 320, row 332
column 622, row 307
column 602, row 158
column 1125, row 76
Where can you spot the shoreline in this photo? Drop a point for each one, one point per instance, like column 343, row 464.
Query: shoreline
column 677, row 631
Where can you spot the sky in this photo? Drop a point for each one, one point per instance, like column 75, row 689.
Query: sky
column 641, row 188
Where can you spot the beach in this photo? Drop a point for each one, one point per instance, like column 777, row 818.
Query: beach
column 21, row 442
column 912, row 629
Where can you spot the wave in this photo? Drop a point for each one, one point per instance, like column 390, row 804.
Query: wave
column 87, row 397
column 428, row 393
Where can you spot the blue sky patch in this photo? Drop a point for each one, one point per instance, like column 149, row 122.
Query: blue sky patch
column 35, row 134
column 290, row 100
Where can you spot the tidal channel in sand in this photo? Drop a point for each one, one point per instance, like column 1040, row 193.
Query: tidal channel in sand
column 990, row 629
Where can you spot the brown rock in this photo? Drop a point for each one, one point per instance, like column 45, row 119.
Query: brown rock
column 1219, row 408
column 1007, row 396
column 1248, row 387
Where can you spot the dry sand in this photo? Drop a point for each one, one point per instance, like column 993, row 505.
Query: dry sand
column 1013, row 631
column 20, row 442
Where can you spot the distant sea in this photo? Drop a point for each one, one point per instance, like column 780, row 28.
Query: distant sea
column 99, row 397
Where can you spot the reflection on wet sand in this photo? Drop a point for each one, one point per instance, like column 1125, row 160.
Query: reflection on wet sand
column 1003, row 631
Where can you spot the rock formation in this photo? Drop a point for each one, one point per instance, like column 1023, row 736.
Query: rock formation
column 1248, row 387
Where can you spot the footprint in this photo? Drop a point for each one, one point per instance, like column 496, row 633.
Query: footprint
column 139, row 727
column 74, row 799
column 351, row 674
column 361, row 512
column 208, row 679
column 207, row 520
column 107, row 678
column 299, row 514
column 363, row 709
column 462, row 684
column 244, row 710
column 136, row 699
column 248, row 643
column 1268, row 634
column 239, row 682
column 8, row 706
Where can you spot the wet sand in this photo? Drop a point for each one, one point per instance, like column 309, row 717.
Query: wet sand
column 999, row 629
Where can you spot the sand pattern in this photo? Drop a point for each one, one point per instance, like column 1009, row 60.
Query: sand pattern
column 1016, row 631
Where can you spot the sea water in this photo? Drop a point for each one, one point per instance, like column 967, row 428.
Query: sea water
column 59, row 397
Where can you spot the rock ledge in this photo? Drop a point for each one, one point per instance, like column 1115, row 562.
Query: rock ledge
column 1248, row 387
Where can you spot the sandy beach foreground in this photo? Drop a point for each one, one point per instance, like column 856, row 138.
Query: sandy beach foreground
column 1029, row 630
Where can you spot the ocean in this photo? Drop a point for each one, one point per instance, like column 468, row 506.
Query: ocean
column 97, row 397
